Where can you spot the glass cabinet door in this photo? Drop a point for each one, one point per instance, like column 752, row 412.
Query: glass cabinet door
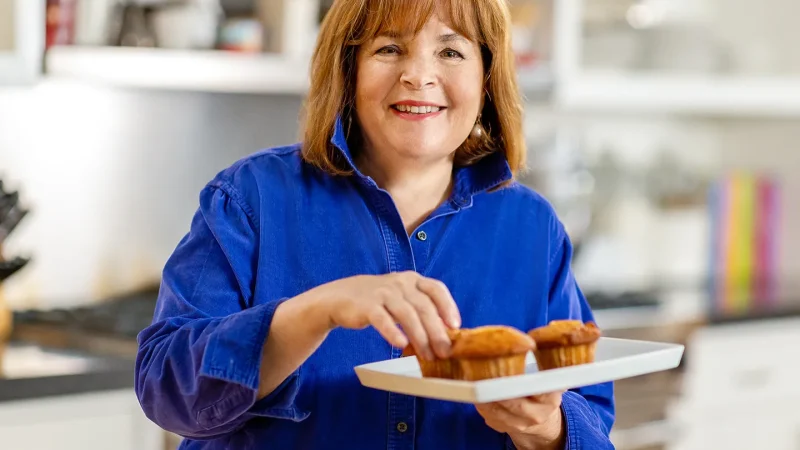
column 741, row 38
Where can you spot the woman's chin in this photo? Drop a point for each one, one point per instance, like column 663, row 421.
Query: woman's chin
column 421, row 150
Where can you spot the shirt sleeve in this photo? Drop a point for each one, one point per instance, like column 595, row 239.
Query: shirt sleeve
column 589, row 411
column 197, row 369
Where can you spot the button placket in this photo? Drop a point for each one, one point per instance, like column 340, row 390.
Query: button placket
column 400, row 257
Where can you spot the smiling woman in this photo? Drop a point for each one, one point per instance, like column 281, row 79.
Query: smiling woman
column 396, row 221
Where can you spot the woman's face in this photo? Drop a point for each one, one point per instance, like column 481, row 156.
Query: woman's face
column 419, row 96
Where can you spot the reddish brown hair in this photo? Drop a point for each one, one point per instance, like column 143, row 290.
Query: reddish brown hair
column 351, row 23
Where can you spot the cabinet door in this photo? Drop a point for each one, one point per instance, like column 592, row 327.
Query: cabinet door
column 22, row 24
column 774, row 433
column 100, row 421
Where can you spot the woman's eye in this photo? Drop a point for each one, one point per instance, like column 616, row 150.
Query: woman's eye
column 388, row 50
column 452, row 54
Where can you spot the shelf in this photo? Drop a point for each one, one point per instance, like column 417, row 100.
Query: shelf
column 217, row 71
column 673, row 94
column 210, row 71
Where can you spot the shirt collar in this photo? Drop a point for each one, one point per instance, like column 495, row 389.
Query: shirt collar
column 489, row 172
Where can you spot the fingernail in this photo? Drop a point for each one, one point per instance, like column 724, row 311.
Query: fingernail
column 402, row 342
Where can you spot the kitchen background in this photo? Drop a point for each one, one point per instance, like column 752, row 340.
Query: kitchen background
column 664, row 132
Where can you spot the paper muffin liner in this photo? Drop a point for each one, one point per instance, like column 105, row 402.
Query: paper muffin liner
column 553, row 358
column 440, row 368
column 476, row 369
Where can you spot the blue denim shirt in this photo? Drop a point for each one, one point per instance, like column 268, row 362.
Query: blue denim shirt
column 271, row 227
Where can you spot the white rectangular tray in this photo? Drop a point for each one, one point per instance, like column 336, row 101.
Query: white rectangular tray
column 615, row 359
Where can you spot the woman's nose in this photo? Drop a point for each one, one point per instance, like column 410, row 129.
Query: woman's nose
column 418, row 73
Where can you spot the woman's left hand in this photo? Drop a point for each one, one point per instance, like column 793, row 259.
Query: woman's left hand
column 532, row 422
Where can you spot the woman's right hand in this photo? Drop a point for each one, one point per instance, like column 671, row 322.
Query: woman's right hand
column 422, row 307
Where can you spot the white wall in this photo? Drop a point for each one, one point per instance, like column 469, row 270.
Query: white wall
column 112, row 178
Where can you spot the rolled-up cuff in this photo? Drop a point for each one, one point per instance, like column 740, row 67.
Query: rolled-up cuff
column 234, row 356
column 234, row 351
column 280, row 403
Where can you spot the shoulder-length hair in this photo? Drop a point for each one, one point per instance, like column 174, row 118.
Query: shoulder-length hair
column 351, row 23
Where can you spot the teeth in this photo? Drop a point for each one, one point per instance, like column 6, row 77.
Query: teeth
column 417, row 109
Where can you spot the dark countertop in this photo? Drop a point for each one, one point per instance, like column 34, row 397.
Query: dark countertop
column 44, row 361
column 29, row 371
column 63, row 352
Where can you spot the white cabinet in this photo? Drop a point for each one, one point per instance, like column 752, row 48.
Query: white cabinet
column 772, row 424
column 109, row 420
column 22, row 39
column 742, row 388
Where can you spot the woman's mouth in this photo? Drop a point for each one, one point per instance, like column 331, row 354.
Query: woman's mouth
column 416, row 112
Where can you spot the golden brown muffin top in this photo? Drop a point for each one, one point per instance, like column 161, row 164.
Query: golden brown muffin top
column 490, row 341
column 560, row 333
column 410, row 351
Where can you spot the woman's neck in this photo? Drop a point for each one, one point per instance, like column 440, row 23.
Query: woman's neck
column 417, row 187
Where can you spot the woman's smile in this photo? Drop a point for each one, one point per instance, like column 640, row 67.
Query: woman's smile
column 413, row 110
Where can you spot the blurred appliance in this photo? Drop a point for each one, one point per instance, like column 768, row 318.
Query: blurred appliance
column 558, row 170
column 11, row 214
column 123, row 316
column 130, row 26
column 632, row 299
column 120, row 317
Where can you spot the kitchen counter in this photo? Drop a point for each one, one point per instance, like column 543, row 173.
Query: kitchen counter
column 70, row 400
column 29, row 371
column 61, row 398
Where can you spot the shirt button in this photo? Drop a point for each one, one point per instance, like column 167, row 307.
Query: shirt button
column 422, row 236
column 402, row 427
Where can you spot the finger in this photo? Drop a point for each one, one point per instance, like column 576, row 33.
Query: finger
column 382, row 321
column 405, row 314
column 429, row 316
column 441, row 296
column 500, row 419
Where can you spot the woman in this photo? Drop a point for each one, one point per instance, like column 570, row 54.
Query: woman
column 396, row 218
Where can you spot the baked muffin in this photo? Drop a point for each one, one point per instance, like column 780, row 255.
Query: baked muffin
column 438, row 368
column 563, row 343
column 491, row 352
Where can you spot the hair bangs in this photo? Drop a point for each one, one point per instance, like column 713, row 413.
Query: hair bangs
column 408, row 17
